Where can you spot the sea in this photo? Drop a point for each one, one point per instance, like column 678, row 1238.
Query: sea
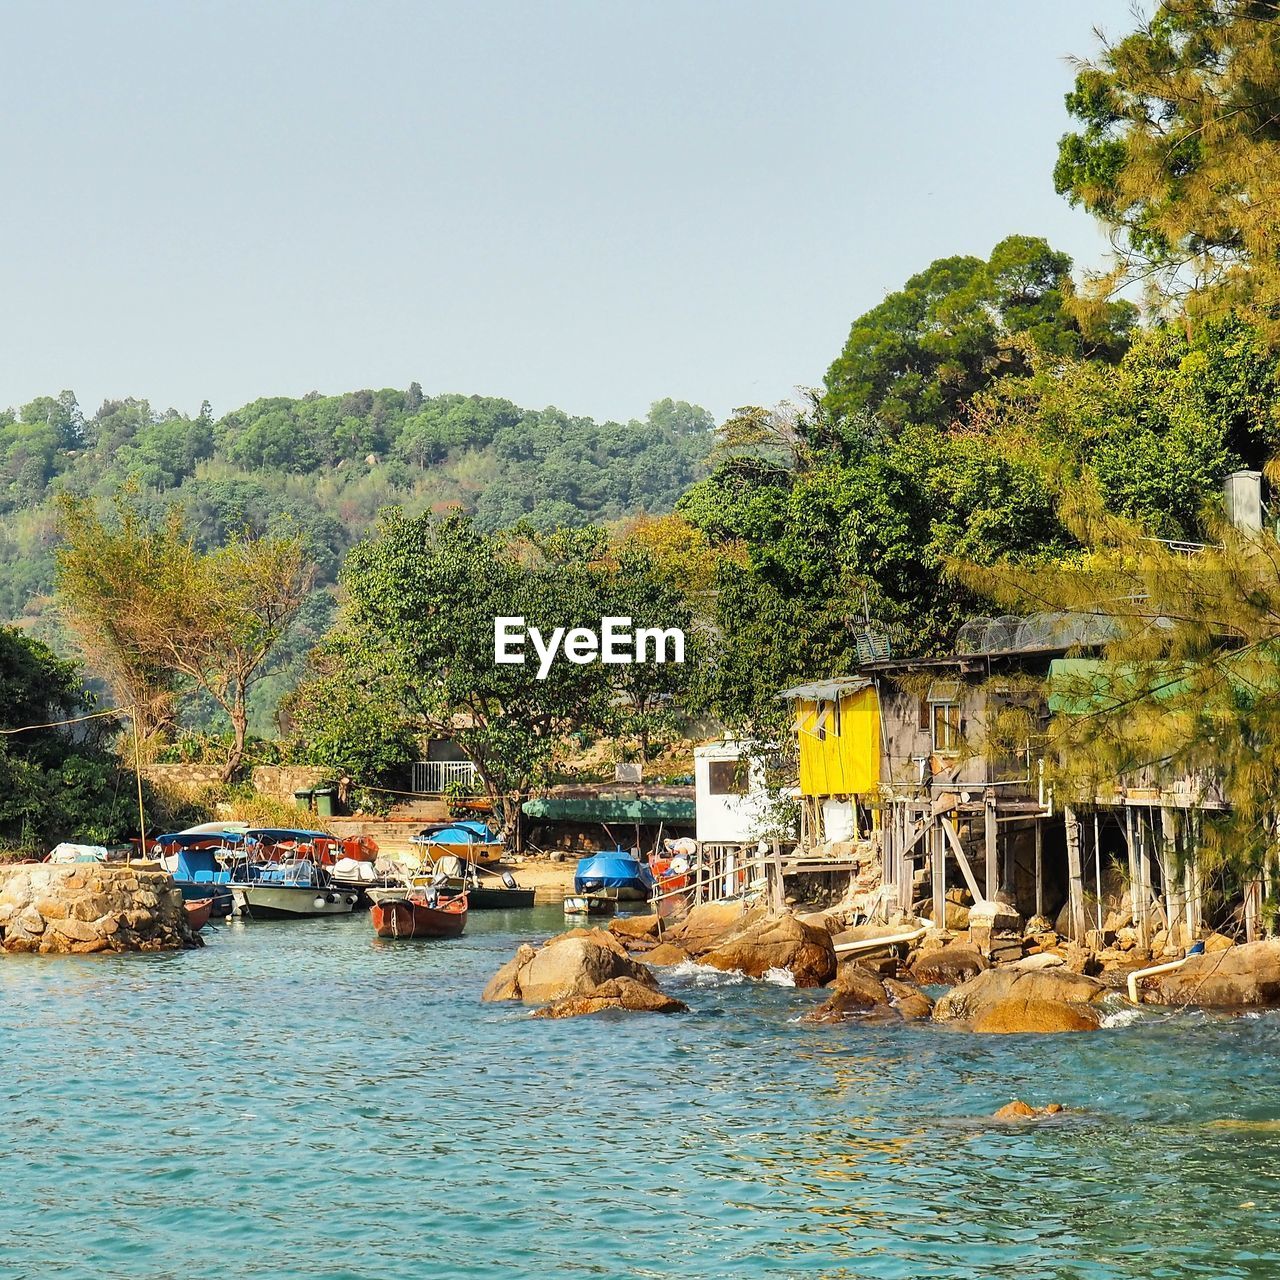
column 300, row 1099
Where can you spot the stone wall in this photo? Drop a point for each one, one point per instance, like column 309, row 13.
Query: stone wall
column 280, row 781
column 184, row 777
column 87, row 906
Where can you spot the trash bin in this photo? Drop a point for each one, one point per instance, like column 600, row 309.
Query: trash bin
column 303, row 800
column 324, row 801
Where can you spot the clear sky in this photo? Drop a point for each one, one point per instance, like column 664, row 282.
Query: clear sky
column 585, row 203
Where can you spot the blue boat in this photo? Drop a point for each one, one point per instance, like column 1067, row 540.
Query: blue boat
column 191, row 857
column 468, row 839
column 614, row 873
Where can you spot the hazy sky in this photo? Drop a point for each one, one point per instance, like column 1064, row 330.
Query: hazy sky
column 581, row 202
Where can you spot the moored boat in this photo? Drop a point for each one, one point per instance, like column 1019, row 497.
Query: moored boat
column 198, row 910
column 590, row 904
column 497, row 892
column 616, row 872
column 288, row 891
column 422, row 913
column 191, row 858
column 468, row 839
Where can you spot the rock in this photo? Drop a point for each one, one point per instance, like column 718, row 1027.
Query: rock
column 857, row 992
column 765, row 941
column 706, row 925
column 954, row 915
column 1218, row 942
column 504, row 984
column 947, row 966
column 1041, row 960
column 1019, row 1110
column 1080, row 959
column 76, row 930
column 571, row 966
column 628, row 928
column 1015, row 1000
column 1246, row 976
column 618, row 993
column 988, row 918
column 666, row 953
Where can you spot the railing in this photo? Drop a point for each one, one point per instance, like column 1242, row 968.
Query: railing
column 434, row 777
column 720, row 873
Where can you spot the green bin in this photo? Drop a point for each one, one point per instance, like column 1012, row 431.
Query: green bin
column 324, row 802
column 303, row 800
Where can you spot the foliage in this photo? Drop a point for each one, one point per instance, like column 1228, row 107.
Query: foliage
column 56, row 783
column 1179, row 150
column 922, row 352
column 154, row 601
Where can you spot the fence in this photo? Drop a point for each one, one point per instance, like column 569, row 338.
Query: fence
column 434, row 777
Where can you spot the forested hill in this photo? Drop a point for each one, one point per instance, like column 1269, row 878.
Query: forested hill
column 329, row 463
column 326, row 465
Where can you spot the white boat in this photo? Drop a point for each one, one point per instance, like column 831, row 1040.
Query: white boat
column 590, row 904
column 290, row 891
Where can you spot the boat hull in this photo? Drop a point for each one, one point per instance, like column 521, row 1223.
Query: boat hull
column 198, row 910
column 291, row 902
column 414, row 917
column 616, row 875
column 590, row 905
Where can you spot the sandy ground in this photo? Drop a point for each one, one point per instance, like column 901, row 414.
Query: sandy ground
column 551, row 880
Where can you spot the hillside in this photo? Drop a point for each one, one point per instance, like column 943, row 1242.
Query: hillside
column 327, row 464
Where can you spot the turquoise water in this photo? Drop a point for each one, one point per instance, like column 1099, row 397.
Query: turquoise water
column 299, row 1099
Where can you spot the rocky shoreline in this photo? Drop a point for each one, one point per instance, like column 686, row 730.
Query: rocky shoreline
column 1000, row 981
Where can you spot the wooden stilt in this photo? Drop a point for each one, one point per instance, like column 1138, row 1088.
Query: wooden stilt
column 938, row 873
column 1144, row 882
column 1075, row 874
column 1039, row 867
column 991, row 843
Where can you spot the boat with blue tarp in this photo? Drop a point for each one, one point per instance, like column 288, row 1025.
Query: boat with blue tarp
column 615, row 873
column 191, row 858
column 468, row 839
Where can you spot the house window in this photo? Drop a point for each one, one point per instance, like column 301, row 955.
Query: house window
column 946, row 727
column 727, row 778
column 922, row 716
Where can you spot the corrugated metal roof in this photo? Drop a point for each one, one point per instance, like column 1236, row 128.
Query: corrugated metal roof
column 825, row 690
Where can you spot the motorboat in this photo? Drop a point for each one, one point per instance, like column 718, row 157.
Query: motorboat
column 590, row 904
column 469, row 839
column 191, row 858
column 615, row 872
column 498, row 891
column 198, row 911
column 288, row 891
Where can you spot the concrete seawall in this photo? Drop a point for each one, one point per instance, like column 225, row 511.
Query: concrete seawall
column 80, row 908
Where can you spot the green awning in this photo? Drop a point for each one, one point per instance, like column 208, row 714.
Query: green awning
column 610, row 809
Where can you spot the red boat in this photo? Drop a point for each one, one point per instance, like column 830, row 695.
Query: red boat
column 198, row 910
column 420, row 914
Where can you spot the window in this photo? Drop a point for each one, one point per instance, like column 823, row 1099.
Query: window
column 946, row 727
column 727, row 778
column 922, row 713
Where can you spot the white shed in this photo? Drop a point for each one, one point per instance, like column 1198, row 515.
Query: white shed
column 732, row 799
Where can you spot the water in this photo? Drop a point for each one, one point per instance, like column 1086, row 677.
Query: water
column 299, row 1099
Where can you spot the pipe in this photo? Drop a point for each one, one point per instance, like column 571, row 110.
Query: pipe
column 873, row 944
column 1151, row 973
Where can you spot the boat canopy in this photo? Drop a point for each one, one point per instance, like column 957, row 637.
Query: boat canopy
column 285, row 835
column 465, row 832
column 630, row 808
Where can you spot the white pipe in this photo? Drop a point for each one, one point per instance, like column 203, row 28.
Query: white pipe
column 1151, row 973
column 873, row 944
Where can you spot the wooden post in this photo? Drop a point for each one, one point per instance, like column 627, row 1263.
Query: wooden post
column 1075, row 874
column 1144, row 884
column 137, row 773
column 1132, row 854
column 991, row 844
column 939, row 873
column 1039, row 868
column 1174, row 898
column 1097, row 873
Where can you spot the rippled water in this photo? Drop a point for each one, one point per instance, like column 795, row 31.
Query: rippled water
column 298, row 1099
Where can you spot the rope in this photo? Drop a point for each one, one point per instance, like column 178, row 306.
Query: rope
column 58, row 724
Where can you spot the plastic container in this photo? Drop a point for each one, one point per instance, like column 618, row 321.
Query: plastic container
column 324, row 801
column 303, row 800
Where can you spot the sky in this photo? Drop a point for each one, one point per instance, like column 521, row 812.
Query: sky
column 586, row 203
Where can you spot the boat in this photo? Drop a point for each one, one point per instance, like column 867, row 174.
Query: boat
column 499, row 892
column 590, row 904
column 191, row 858
column 468, row 839
column 422, row 913
column 615, row 870
column 198, row 911
column 288, row 891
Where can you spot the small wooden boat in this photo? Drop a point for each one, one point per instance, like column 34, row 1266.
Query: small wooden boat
column 499, row 892
column 590, row 904
column 420, row 914
column 198, row 912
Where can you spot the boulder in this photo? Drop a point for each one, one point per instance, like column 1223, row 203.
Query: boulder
column 1016, row 1000
column 1240, row 977
column 857, row 992
column 629, row 928
column 666, row 953
column 774, row 940
column 947, row 966
column 1019, row 1110
column 705, row 925
column 577, row 965
column 618, row 993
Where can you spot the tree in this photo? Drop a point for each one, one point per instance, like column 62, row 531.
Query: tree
column 211, row 618
column 918, row 356
column 1179, row 150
